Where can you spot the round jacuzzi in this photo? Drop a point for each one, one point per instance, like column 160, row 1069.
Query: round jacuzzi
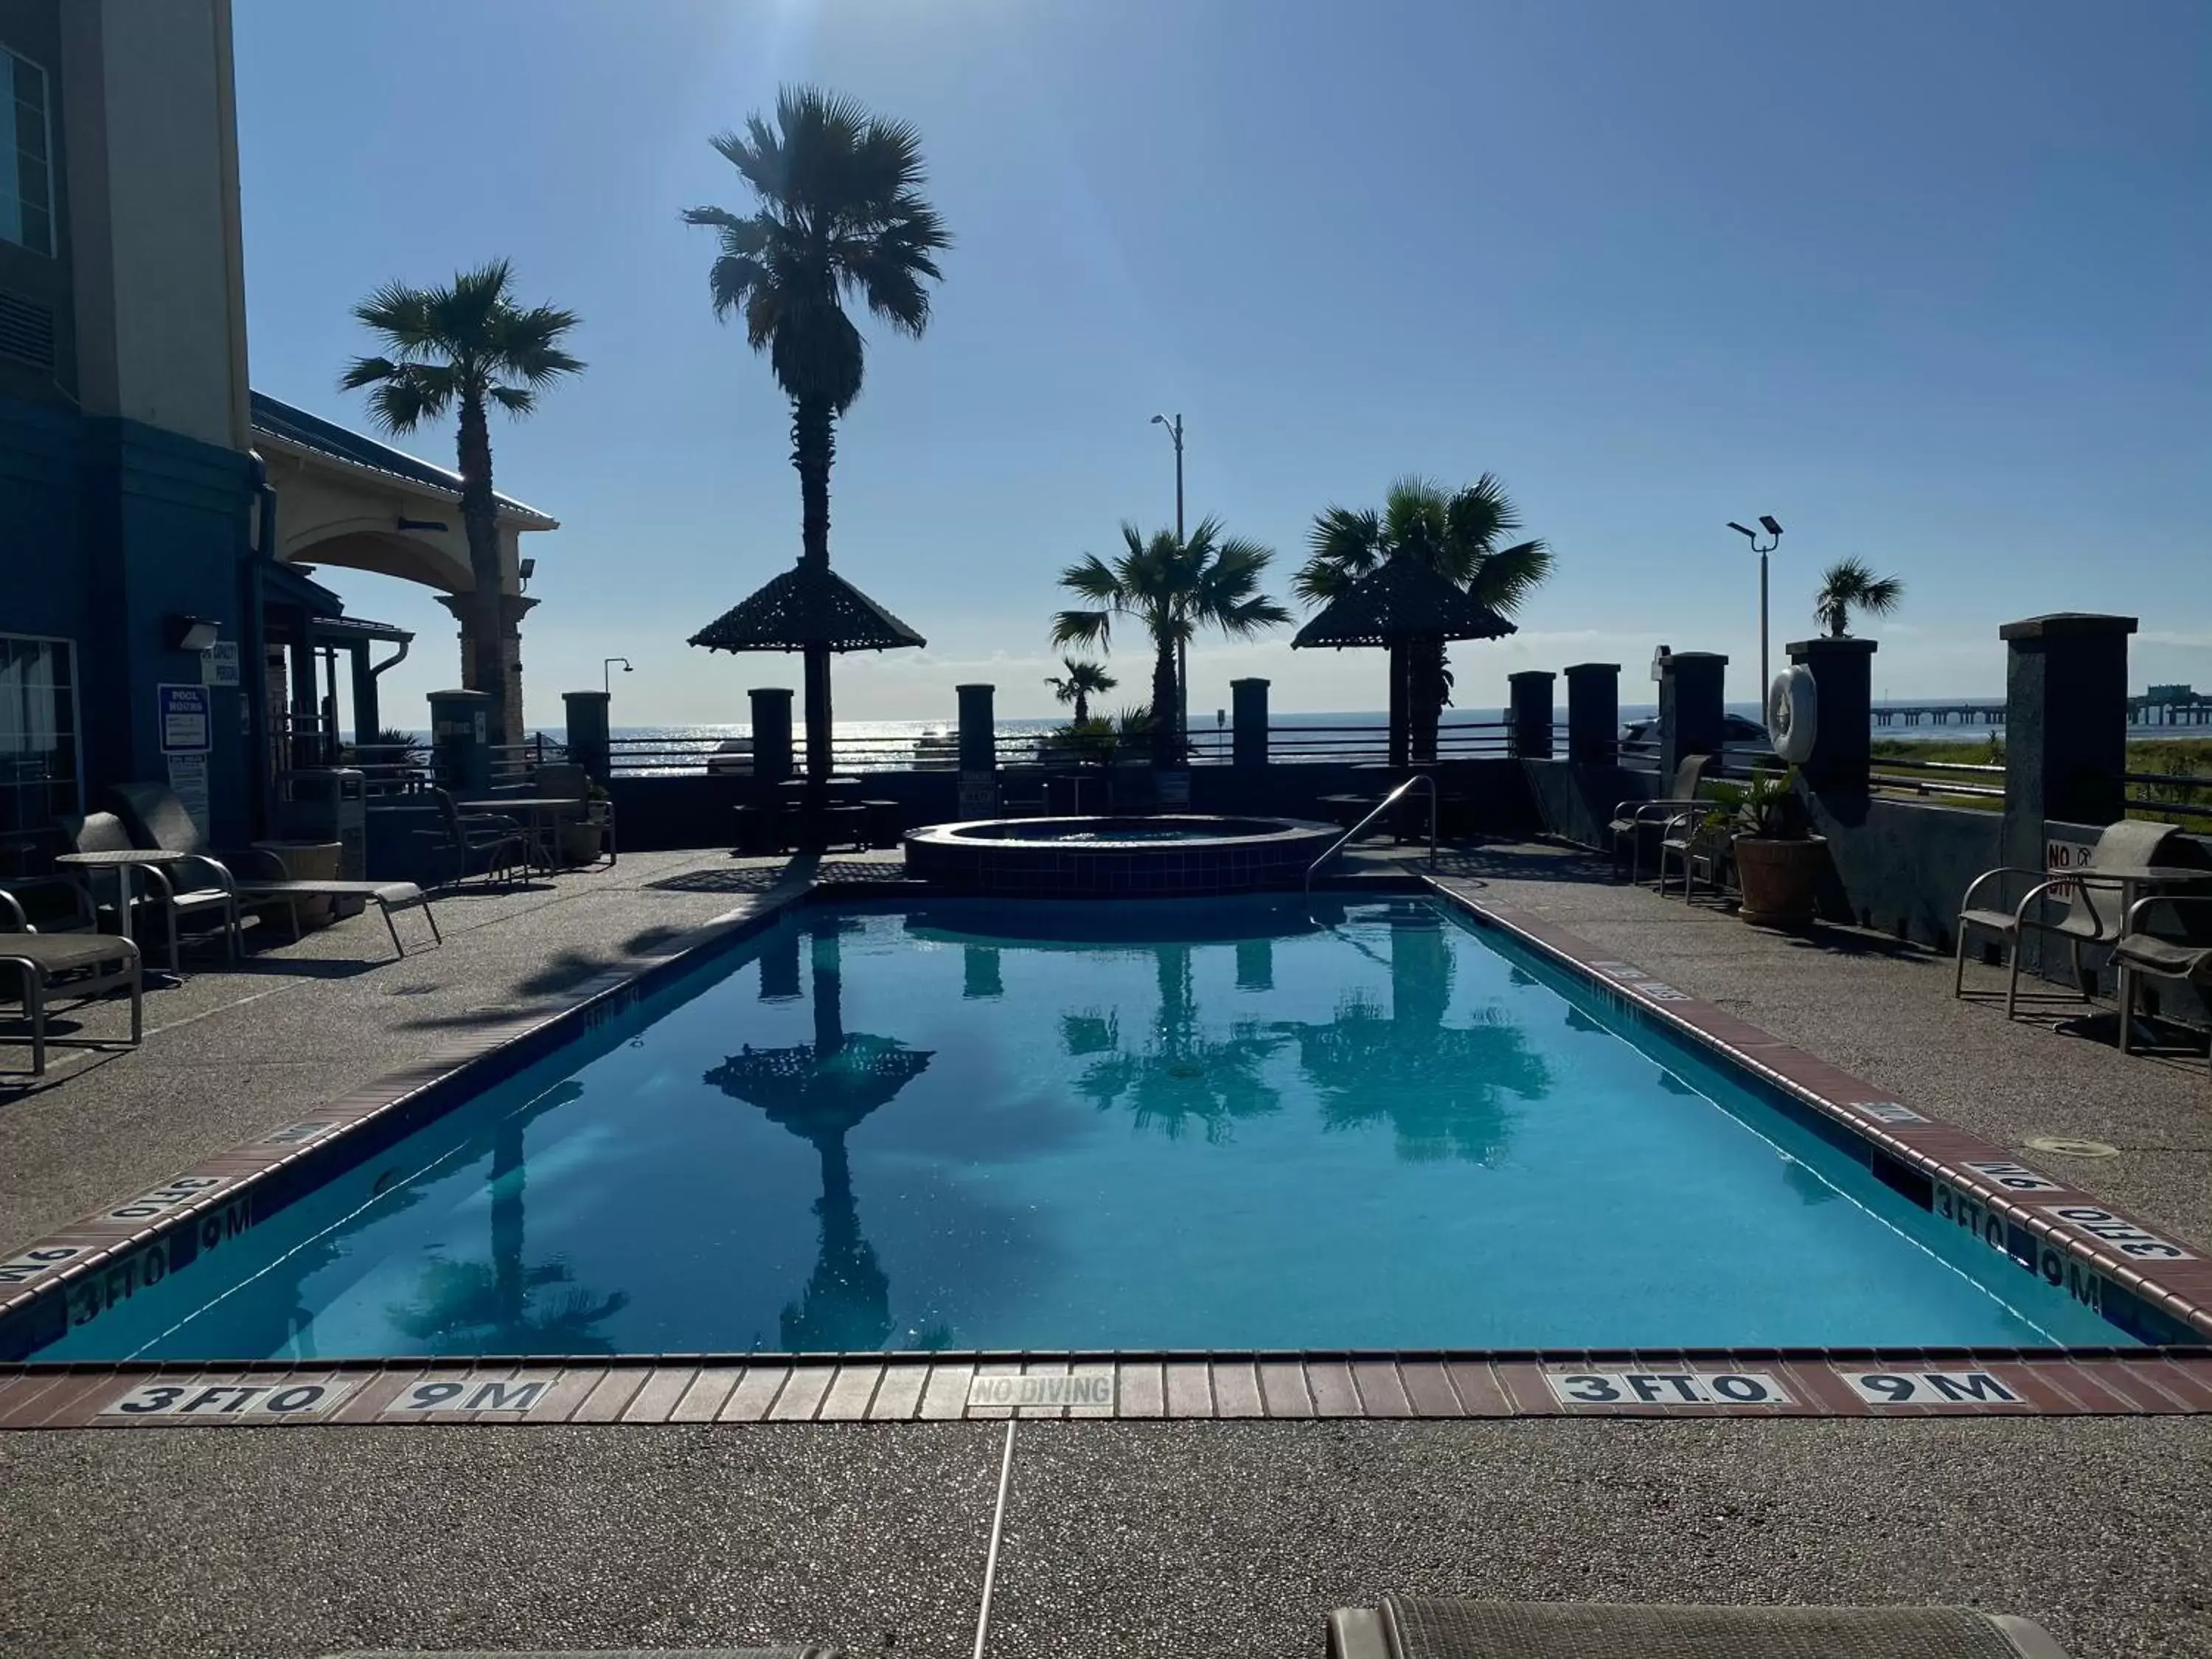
column 1163, row 856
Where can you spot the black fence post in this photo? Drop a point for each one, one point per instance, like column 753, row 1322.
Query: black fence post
column 588, row 744
column 1247, row 717
column 2066, row 726
column 1842, row 720
column 979, row 751
column 771, row 732
column 1594, row 714
column 1690, row 715
column 1531, row 715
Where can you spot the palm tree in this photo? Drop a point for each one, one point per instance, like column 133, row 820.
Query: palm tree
column 838, row 215
column 1172, row 589
column 1456, row 535
column 1850, row 582
column 1083, row 681
column 467, row 346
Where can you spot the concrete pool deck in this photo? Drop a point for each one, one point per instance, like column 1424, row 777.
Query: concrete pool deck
column 1122, row 1538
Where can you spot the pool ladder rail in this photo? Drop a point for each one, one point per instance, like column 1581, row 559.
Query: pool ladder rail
column 1375, row 812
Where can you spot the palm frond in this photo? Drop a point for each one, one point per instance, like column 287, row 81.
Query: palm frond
column 514, row 399
column 1082, row 628
column 1504, row 580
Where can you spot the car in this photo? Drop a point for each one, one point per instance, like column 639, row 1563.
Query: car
column 1738, row 735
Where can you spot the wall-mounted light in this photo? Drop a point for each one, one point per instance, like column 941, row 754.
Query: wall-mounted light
column 192, row 633
column 525, row 570
column 438, row 525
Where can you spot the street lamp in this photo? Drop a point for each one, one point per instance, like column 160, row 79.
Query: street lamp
column 1182, row 647
column 606, row 672
column 1774, row 536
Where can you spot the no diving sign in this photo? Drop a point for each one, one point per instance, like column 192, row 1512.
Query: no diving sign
column 1094, row 1390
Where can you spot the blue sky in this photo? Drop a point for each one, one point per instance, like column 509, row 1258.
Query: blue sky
column 1926, row 283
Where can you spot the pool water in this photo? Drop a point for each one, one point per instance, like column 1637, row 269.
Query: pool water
column 1183, row 1124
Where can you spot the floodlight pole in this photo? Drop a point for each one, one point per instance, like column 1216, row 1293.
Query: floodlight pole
column 1182, row 646
column 1773, row 541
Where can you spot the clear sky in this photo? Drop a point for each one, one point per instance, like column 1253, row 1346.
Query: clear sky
column 1928, row 282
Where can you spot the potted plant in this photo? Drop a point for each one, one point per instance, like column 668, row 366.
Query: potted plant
column 582, row 839
column 1778, row 860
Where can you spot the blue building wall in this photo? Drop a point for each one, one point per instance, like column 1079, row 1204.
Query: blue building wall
column 108, row 528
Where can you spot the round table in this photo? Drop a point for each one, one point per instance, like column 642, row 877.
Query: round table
column 544, row 812
column 126, row 863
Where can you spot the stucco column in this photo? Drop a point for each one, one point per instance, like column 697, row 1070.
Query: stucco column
column 1843, row 720
column 587, row 733
column 1531, row 714
column 1594, row 714
column 771, row 732
column 2066, row 725
column 461, row 741
column 1247, row 731
column 1690, row 709
column 512, row 609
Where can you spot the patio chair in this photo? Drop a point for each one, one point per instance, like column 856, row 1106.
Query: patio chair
column 1692, row 839
column 2167, row 938
column 197, row 887
column 159, row 819
column 1419, row 1628
column 80, row 966
column 1633, row 819
column 2093, row 906
column 493, row 838
column 569, row 780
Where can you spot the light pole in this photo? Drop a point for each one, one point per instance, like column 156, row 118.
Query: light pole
column 606, row 673
column 1774, row 534
column 1182, row 648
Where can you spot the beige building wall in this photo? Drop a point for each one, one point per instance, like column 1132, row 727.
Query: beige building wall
column 149, row 113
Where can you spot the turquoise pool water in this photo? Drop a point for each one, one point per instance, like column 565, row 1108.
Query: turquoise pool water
column 1183, row 1124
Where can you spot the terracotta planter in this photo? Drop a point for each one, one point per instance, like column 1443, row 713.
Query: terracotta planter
column 1778, row 878
column 582, row 839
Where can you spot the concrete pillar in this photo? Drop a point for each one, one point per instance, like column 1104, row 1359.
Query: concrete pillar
column 1690, row 709
column 367, row 719
column 461, row 741
column 979, row 738
column 587, row 733
column 771, row 732
column 512, row 609
column 2066, row 725
column 1531, row 713
column 1249, row 721
column 1594, row 714
column 1842, row 725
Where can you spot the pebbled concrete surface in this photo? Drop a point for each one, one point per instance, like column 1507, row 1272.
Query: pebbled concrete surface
column 1128, row 1540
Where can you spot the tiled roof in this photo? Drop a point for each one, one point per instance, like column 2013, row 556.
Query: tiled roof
column 275, row 419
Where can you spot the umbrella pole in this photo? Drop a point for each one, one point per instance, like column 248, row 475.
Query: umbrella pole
column 819, row 760
column 1401, row 706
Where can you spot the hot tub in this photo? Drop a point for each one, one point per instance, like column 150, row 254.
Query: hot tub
column 1159, row 857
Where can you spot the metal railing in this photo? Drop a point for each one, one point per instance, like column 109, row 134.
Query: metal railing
column 1954, row 778
column 2170, row 791
column 1373, row 813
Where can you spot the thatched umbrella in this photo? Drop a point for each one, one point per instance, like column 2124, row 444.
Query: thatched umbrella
column 1406, row 607
column 821, row 1091
column 813, row 610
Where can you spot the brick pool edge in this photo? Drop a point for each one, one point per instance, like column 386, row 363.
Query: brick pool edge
column 107, row 1255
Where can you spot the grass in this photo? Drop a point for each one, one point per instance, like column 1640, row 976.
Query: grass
column 2180, row 758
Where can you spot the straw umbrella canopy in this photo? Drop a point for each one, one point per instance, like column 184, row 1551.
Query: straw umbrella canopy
column 1402, row 603
column 813, row 610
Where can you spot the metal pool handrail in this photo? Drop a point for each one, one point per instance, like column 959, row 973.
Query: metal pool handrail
column 1376, row 811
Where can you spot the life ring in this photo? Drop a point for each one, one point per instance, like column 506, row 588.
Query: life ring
column 1793, row 713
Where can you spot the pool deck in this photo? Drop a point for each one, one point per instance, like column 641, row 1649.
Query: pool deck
column 1122, row 1538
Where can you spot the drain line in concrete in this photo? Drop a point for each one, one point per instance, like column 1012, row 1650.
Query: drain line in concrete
column 998, row 1525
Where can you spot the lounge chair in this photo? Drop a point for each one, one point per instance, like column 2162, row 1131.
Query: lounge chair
column 196, row 887
column 1417, row 1627
column 75, row 965
column 2092, row 904
column 159, row 820
column 1633, row 819
column 2167, row 938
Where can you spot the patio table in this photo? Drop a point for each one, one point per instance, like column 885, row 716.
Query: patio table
column 543, row 813
column 126, row 863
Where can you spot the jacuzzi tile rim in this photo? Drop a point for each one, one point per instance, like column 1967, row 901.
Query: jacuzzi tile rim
column 2169, row 1378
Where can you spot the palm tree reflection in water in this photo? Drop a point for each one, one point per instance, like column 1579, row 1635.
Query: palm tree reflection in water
column 1183, row 1078
column 1441, row 1088
column 505, row 1307
column 822, row 1091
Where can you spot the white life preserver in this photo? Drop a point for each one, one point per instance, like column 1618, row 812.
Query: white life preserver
column 1793, row 713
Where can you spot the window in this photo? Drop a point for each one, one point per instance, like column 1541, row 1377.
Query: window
column 41, row 777
column 27, row 167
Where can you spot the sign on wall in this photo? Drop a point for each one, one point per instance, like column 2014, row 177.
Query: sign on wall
column 2059, row 857
column 183, row 716
column 219, row 665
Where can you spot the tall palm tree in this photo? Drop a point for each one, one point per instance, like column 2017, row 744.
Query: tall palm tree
column 1849, row 582
column 838, row 214
column 1082, row 681
column 1171, row 589
column 465, row 347
column 1456, row 533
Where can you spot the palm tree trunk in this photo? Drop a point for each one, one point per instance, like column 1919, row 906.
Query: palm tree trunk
column 1165, row 754
column 1082, row 707
column 813, row 449
column 480, row 523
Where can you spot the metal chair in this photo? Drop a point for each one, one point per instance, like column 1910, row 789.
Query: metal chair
column 195, row 886
column 1633, row 818
column 498, row 840
column 76, row 965
column 2093, row 906
column 2167, row 939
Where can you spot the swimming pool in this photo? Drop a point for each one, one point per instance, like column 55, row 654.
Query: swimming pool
column 1205, row 1125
